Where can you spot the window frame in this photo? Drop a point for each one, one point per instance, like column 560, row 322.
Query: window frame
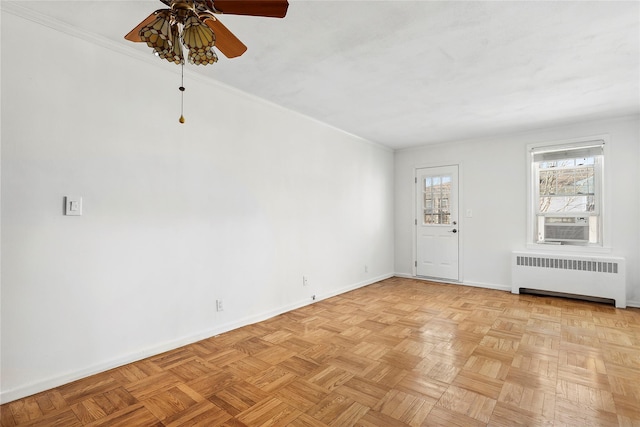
column 437, row 206
column 601, row 189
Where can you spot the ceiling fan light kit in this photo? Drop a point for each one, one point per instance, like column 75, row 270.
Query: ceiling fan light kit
column 192, row 25
column 163, row 38
column 199, row 39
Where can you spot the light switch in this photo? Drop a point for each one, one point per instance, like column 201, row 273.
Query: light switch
column 73, row 205
column 469, row 213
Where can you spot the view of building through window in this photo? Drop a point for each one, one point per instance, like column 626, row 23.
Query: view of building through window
column 437, row 193
column 567, row 194
column 567, row 186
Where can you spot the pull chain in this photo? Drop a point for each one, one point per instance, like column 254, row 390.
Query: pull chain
column 181, row 120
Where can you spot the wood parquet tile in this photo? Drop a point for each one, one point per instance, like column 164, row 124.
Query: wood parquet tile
column 400, row 352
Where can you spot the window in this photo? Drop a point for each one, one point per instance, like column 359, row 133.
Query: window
column 437, row 191
column 567, row 193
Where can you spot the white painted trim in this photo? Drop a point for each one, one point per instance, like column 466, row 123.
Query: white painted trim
column 488, row 286
column 414, row 268
column 633, row 303
column 58, row 380
column 470, row 284
column 14, row 8
column 352, row 287
column 605, row 188
column 511, row 134
column 555, row 249
column 630, row 303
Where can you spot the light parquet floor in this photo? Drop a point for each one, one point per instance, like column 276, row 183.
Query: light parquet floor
column 400, row 352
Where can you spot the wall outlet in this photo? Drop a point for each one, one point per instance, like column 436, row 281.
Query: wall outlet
column 219, row 306
column 305, row 281
column 313, row 297
column 366, row 268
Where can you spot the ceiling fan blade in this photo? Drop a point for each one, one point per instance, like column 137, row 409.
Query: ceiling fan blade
column 226, row 41
column 268, row 8
column 134, row 35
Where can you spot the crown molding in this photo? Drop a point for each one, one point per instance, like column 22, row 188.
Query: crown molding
column 18, row 9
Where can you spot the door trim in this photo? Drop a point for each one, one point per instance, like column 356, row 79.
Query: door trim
column 461, row 222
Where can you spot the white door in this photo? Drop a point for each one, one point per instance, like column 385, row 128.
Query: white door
column 437, row 222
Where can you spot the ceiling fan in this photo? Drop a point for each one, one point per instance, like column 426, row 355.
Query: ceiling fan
column 192, row 23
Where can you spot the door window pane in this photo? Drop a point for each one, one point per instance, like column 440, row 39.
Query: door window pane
column 437, row 192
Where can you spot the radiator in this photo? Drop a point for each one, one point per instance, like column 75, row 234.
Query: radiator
column 578, row 276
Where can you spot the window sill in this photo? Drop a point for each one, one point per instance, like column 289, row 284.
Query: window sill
column 569, row 248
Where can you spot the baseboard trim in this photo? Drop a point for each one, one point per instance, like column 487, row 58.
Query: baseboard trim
column 463, row 283
column 354, row 286
column 633, row 303
column 630, row 303
column 7, row 396
column 488, row 286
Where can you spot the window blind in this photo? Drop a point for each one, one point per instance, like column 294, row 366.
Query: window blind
column 577, row 151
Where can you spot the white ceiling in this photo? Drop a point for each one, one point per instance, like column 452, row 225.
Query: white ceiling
column 407, row 73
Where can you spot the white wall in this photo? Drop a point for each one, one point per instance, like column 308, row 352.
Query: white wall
column 494, row 186
column 237, row 204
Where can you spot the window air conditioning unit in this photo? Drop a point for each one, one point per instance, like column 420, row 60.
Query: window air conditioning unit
column 566, row 229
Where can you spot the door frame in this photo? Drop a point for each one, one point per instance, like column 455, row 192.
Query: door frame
column 461, row 221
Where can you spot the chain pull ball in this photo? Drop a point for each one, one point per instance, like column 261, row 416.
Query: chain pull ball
column 182, row 89
column 181, row 120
